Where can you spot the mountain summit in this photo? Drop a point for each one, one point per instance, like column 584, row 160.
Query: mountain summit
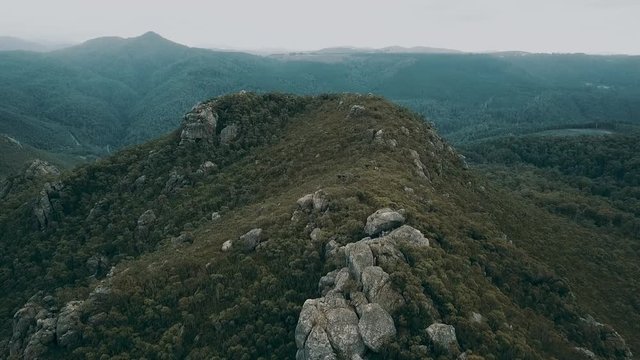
column 278, row 226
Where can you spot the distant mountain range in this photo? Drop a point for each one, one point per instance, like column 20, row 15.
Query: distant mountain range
column 110, row 92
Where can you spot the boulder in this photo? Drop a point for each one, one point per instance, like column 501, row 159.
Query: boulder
column 206, row 168
column 386, row 253
column 383, row 220
column 24, row 325
column 342, row 329
column 320, row 201
column 444, row 336
column 199, row 124
column 183, row 239
column 43, row 207
column 251, row 239
column 229, row 134
column 40, row 168
column 41, row 339
column 379, row 290
column 376, row 326
column 98, row 265
column 316, row 234
column 359, row 256
column 174, row 182
column 69, row 326
column 305, row 202
column 356, row 111
column 226, row 246
column 420, row 170
column 409, row 235
column 317, row 346
column 215, row 216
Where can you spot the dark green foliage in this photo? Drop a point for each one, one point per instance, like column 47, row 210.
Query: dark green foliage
column 195, row 301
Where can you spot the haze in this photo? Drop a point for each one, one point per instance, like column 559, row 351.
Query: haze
column 591, row 26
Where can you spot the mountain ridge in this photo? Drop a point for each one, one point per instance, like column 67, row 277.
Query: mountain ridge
column 133, row 251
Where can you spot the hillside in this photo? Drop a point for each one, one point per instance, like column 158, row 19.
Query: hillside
column 109, row 93
column 278, row 226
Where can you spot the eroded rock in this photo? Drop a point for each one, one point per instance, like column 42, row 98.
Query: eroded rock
column 199, row 124
column 444, row 336
column 376, row 326
column 383, row 220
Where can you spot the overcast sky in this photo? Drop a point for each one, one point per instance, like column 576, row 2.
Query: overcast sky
column 592, row 26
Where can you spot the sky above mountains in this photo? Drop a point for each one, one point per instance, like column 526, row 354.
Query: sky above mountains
column 592, row 26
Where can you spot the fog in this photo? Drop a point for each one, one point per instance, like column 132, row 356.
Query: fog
column 592, row 26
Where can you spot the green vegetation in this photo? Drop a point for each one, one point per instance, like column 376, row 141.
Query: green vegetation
column 110, row 93
column 593, row 184
column 167, row 299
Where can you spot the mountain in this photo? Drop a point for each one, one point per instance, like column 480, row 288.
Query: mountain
column 281, row 226
column 110, row 93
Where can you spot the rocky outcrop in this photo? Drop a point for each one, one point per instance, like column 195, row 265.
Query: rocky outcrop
column 206, row 168
column 43, row 208
column 356, row 111
column 69, row 326
column 383, row 220
column 353, row 316
column 40, row 168
column 444, row 336
column 247, row 242
column 174, row 183
column 199, row 124
column 420, row 168
column 38, row 325
column 376, row 326
column 145, row 222
column 229, row 134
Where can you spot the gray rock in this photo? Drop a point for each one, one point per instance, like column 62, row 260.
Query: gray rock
column 356, row 111
column 476, row 318
column 359, row 256
column 316, row 235
column 378, row 289
column 342, row 280
column 587, row 353
column 98, row 265
column 376, row 326
column 199, row 124
column 251, row 239
column 43, row 208
column 420, row 170
column 409, row 235
column 69, row 326
column 444, row 335
column 226, row 246
column 404, row 130
column 305, row 202
column 309, row 315
column 383, row 220
column 327, row 282
column 335, row 253
column 174, row 182
column 386, row 253
column 182, row 239
column 317, row 345
column 229, row 134
column 320, row 201
column 147, row 218
column 43, row 337
column 24, row 325
column 342, row 329
column 40, row 168
column 206, row 167
column 358, row 300
column 215, row 216
column 378, row 138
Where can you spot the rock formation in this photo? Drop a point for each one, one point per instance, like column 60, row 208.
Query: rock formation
column 199, row 124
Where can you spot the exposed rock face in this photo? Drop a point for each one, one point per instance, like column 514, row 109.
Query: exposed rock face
column 247, row 242
column 199, row 124
column 376, row 326
column 408, row 234
column 320, row 200
column 69, row 326
column 145, row 222
column 43, row 208
column 332, row 327
column 383, row 220
column 40, row 168
column 229, row 134
column 24, row 325
column 356, row 111
column 444, row 335
column 421, row 170
column 359, row 256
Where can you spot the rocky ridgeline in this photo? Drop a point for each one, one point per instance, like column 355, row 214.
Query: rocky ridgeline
column 200, row 124
column 353, row 317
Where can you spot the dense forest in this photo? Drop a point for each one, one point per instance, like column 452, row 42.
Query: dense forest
column 110, row 92
column 128, row 255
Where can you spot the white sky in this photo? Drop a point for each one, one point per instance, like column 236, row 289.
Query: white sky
column 592, row 26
